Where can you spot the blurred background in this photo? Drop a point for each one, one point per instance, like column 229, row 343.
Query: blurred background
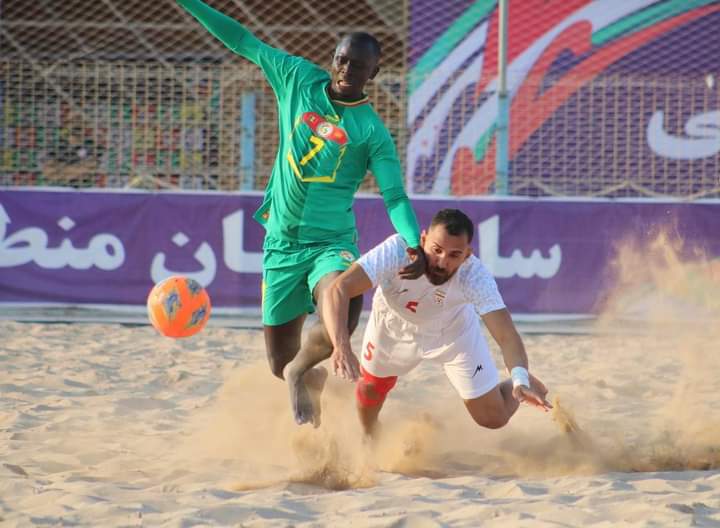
column 609, row 98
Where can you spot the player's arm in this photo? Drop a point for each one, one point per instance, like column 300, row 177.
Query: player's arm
column 501, row 327
column 380, row 263
column 480, row 289
column 275, row 63
column 227, row 30
column 335, row 308
column 385, row 165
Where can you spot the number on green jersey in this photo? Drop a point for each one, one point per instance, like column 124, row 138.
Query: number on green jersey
column 316, row 148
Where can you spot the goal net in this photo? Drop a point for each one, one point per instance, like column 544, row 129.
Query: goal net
column 109, row 93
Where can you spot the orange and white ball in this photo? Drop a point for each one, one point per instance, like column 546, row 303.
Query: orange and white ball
column 178, row 307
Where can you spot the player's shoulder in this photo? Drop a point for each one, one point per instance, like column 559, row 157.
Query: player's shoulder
column 306, row 70
column 474, row 264
column 386, row 257
column 317, row 71
column 369, row 108
column 312, row 67
column 394, row 242
column 398, row 240
column 376, row 122
column 389, row 250
column 473, row 270
column 371, row 120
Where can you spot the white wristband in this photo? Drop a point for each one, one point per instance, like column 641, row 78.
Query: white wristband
column 520, row 376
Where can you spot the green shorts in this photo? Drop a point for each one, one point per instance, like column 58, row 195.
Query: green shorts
column 292, row 270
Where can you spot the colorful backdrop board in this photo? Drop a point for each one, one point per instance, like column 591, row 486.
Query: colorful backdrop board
column 83, row 247
column 610, row 98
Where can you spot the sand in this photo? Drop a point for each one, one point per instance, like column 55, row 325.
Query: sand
column 108, row 425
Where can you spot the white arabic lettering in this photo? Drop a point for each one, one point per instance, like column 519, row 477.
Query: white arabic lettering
column 516, row 264
column 204, row 255
column 703, row 141
column 30, row 244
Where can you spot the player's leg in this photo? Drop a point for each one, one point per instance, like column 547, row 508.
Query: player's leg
column 473, row 374
column 382, row 359
column 286, row 301
column 494, row 408
column 317, row 345
column 305, row 382
column 370, row 394
column 282, row 343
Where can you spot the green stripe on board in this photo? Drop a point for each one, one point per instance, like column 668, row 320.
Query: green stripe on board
column 646, row 18
column 483, row 143
column 448, row 40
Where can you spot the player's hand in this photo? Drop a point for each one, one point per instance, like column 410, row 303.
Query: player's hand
column 527, row 395
column 345, row 364
column 418, row 265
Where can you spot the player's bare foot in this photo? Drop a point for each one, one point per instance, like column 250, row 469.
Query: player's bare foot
column 305, row 390
column 315, row 379
column 300, row 401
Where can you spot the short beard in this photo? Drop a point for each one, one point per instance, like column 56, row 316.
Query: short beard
column 437, row 279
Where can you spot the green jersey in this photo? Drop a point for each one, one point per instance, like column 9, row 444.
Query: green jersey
column 325, row 148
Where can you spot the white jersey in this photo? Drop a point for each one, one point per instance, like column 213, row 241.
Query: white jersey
column 432, row 309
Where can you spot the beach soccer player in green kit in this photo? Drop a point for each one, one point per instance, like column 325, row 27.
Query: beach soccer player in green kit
column 329, row 137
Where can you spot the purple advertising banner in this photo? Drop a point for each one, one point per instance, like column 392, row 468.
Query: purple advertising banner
column 548, row 256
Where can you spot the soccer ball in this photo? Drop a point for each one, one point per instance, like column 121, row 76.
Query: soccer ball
column 178, row 307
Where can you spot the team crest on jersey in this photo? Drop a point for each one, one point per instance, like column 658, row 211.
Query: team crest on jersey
column 324, row 129
column 439, row 296
column 347, row 256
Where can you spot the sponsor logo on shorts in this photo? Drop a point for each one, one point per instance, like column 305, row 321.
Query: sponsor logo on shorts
column 347, row 256
column 478, row 369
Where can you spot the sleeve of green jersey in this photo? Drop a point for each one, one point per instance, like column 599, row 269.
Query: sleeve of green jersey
column 385, row 165
column 277, row 65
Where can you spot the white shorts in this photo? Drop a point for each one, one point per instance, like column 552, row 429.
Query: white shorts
column 393, row 347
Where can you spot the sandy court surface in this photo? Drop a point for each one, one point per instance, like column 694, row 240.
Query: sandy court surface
column 111, row 425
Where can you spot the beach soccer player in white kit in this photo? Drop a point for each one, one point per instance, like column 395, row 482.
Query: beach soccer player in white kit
column 432, row 318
